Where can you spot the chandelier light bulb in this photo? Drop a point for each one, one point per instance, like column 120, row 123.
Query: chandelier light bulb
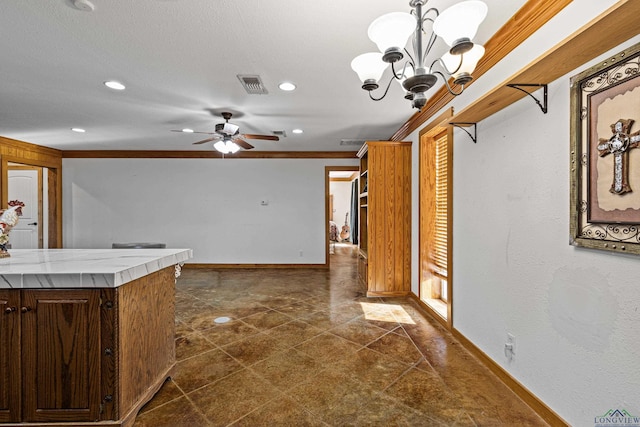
column 461, row 66
column 369, row 67
column 459, row 24
column 391, row 32
column 221, row 146
column 232, row 147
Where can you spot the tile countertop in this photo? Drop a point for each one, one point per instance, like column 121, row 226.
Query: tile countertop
column 83, row 268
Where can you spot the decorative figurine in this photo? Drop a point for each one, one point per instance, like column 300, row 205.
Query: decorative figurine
column 8, row 219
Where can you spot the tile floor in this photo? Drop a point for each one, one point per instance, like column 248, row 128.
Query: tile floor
column 307, row 348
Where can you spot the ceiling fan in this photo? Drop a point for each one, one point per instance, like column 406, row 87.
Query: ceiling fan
column 228, row 136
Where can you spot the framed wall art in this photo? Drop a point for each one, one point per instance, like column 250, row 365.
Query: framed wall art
column 605, row 154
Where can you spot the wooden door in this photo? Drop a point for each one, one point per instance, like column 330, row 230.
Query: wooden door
column 25, row 184
column 61, row 355
column 9, row 356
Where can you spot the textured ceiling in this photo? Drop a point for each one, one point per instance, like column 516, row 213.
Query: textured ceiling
column 179, row 60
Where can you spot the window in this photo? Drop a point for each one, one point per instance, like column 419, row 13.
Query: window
column 435, row 220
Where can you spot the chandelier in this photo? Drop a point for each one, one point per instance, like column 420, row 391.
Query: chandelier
column 456, row 25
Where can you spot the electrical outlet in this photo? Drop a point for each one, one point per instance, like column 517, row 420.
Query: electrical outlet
column 301, row 253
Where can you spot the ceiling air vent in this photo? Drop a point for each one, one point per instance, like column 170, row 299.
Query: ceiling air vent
column 280, row 133
column 357, row 142
column 252, row 84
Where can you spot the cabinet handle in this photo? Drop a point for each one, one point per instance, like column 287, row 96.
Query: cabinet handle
column 9, row 310
column 25, row 309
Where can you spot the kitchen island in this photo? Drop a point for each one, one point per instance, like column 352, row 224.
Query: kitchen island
column 87, row 337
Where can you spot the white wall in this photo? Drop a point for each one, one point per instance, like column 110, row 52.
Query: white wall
column 341, row 191
column 574, row 312
column 210, row 205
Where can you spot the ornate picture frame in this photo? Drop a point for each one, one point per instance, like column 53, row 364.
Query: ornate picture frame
column 605, row 154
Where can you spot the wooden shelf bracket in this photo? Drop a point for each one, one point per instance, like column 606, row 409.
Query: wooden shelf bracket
column 520, row 86
column 464, row 126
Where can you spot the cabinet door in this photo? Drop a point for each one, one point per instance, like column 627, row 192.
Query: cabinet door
column 61, row 355
column 9, row 356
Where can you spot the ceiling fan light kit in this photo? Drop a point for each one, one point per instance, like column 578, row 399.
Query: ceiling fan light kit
column 457, row 26
column 227, row 137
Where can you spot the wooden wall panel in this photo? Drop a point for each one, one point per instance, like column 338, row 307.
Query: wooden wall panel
column 389, row 218
column 146, row 348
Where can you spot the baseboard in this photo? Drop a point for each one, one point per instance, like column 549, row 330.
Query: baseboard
column 253, row 266
column 529, row 398
column 387, row 294
column 521, row 391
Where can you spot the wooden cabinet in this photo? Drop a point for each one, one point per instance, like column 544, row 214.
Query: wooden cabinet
column 384, row 262
column 10, row 396
column 60, row 355
column 78, row 356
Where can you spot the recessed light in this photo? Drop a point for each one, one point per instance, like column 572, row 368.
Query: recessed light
column 187, row 130
column 287, row 86
column 112, row 84
column 84, row 5
column 79, row 130
column 297, row 131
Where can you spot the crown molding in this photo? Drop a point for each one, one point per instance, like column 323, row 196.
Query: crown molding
column 152, row 154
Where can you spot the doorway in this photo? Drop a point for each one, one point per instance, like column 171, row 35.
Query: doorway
column 39, row 180
column 341, row 227
column 26, row 184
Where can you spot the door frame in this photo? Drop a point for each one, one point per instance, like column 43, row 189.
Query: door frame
column 327, row 181
column 54, row 180
column 38, row 169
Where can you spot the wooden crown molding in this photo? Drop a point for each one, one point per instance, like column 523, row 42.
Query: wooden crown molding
column 150, row 154
column 14, row 144
column 529, row 19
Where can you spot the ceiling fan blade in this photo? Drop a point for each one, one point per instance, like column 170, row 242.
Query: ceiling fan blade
column 205, row 140
column 242, row 143
column 181, row 131
column 266, row 137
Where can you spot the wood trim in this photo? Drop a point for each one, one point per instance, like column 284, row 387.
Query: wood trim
column 150, row 154
column 12, row 166
column 253, row 266
column 427, row 136
column 529, row 19
column 388, row 294
column 523, row 393
column 109, row 337
column 439, row 124
column 38, row 150
column 347, row 179
column 611, row 28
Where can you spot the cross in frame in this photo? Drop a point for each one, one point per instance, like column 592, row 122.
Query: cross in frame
column 619, row 145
